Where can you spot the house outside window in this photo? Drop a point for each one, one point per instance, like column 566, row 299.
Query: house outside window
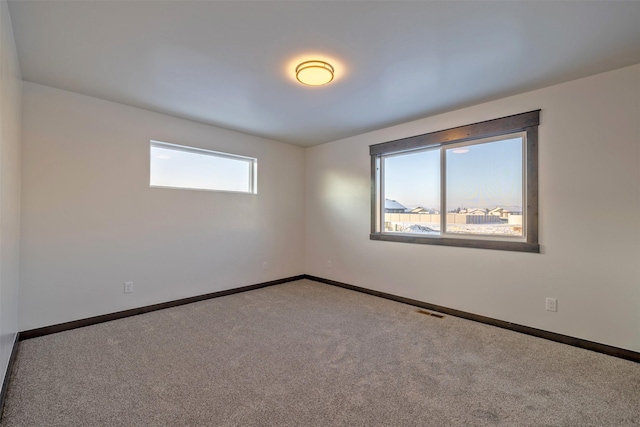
column 472, row 186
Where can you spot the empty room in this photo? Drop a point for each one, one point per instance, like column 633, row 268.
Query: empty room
column 319, row 213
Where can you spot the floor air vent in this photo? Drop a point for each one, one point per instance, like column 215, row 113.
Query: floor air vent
column 429, row 313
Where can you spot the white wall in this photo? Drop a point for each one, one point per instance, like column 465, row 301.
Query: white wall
column 90, row 221
column 589, row 142
column 10, row 126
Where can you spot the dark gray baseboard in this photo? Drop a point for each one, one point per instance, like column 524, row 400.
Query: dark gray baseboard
column 552, row 336
column 7, row 374
column 34, row 333
column 565, row 339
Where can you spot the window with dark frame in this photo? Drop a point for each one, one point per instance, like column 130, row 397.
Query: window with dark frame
column 472, row 186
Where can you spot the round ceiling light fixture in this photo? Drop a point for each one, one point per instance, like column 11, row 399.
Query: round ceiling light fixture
column 460, row 150
column 314, row 73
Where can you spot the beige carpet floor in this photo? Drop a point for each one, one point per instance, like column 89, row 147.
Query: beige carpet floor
column 309, row 354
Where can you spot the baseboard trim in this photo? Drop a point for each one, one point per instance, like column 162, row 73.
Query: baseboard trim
column 552, row 336
column 7, row 374
column 564, row 339
column 34, row 333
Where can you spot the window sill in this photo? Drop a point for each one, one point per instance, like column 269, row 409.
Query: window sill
column 499, row 245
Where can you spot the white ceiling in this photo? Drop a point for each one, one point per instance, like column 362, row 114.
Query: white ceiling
column 231, row 64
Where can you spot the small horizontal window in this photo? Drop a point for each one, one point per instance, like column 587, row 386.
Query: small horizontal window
column 473, row 186
column 177, row 166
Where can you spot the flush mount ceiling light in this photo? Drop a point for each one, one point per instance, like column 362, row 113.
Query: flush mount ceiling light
column 460, row 150
column 314, row 73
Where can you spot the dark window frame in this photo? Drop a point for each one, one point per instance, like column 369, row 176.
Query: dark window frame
column 525, row 122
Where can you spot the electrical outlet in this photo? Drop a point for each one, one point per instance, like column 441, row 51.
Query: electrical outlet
column 265, row 265
column 552, row 304
column 128, row 287
column 329, row 264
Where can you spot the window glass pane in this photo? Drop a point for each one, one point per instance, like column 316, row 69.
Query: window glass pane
column 412, row 193
column 484, row 188
column 465, row 186
column 175, row 167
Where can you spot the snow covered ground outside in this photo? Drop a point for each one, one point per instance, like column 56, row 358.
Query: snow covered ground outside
column 434, row 228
